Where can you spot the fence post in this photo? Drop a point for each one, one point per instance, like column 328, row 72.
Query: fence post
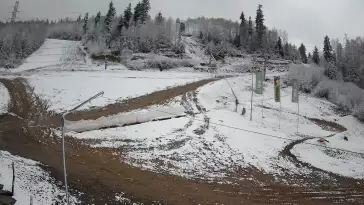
column 12, row 186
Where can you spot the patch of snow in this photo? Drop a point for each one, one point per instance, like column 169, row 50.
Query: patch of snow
column 138, row 116
column 67, row 89
column 30, row 181
column 52, row 53
column 329, row 159
column 207, row 144
column 4, row 99
column 194, row 50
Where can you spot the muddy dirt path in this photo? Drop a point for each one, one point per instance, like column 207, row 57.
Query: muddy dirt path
column 100, row 174
column 348, row 188
column 155, row 98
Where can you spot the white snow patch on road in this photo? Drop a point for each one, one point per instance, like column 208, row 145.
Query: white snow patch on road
column 4, row 99
column 137, row 116
column 30, row 181
column 64, row 90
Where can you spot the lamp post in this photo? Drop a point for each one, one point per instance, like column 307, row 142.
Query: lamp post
column 63, row 131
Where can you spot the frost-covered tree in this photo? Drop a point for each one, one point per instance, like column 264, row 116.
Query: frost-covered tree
column 309, row 58
column 79, row 18
column 85, row 23
column 182, row 27
column 243, row 30
column 302, row 51
column 145, row 11
column 286, row 50
column 327, row 49
column 159, row 19
column 120, row 24
column 97, row 19
column 127, row 16
column 260, row 27
column 279, row 47
column 339, row 52
column 138, row 12
column 110, row 17
column 316, row 56
column 19, row 40
column 250, row 32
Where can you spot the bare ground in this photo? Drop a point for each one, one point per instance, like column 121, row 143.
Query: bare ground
column 100, row 174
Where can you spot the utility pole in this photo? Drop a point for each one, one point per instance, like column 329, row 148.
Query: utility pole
column 13, row 14
column 63, row 120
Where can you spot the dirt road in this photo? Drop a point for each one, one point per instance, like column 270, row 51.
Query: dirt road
column 100, row 174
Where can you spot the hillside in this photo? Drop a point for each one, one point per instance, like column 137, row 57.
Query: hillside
column 121, row 107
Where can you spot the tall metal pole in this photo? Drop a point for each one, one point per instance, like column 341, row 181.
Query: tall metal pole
column 64, row 158
column 63, row 120
column 251, row 101
column 298, row 119
column 280, row 112
column 13, row 14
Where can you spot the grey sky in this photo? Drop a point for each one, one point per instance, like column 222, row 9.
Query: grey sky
column 305, row 21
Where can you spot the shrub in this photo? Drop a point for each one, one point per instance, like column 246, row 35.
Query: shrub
column 146, row 61
column 308, row 75
column 359, row 111
column 346, row 95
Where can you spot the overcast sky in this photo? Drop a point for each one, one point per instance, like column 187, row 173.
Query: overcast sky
column 306, row 21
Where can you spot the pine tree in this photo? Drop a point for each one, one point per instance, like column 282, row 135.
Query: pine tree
column 201, row 35
column 79, row 18
column 250, row 32
column 279, row 47
column 309, row 58
column 159, row 19
column 127, row 16
column 97, row 18
column 242, row 17
column 243, row 30
column 182, row 27
column 85, row 23
column 286, row 50
column 327, row 49
column 138, row 12
column 144, row 11
column 110, row 16
column 339, row 53
column 250, row 27
column 315, row 56
column 260, row 28
column 120, row 24
column 302, row 51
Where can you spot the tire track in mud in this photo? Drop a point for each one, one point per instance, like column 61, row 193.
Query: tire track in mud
column 156, row 98
column 346, row 188
column 100, row 174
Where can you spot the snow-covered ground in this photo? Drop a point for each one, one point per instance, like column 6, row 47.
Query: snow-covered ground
column 137, row 116
column 64, row 89
column 52, row 53
column 30, row 181
column 4, row 99
column 194, row 50
column 219, row 139
column 212, row 137
column 349, row 164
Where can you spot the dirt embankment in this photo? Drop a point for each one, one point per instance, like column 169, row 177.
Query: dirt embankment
column 100, row 173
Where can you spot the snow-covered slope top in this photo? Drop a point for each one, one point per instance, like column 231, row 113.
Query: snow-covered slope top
column 4, row 99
